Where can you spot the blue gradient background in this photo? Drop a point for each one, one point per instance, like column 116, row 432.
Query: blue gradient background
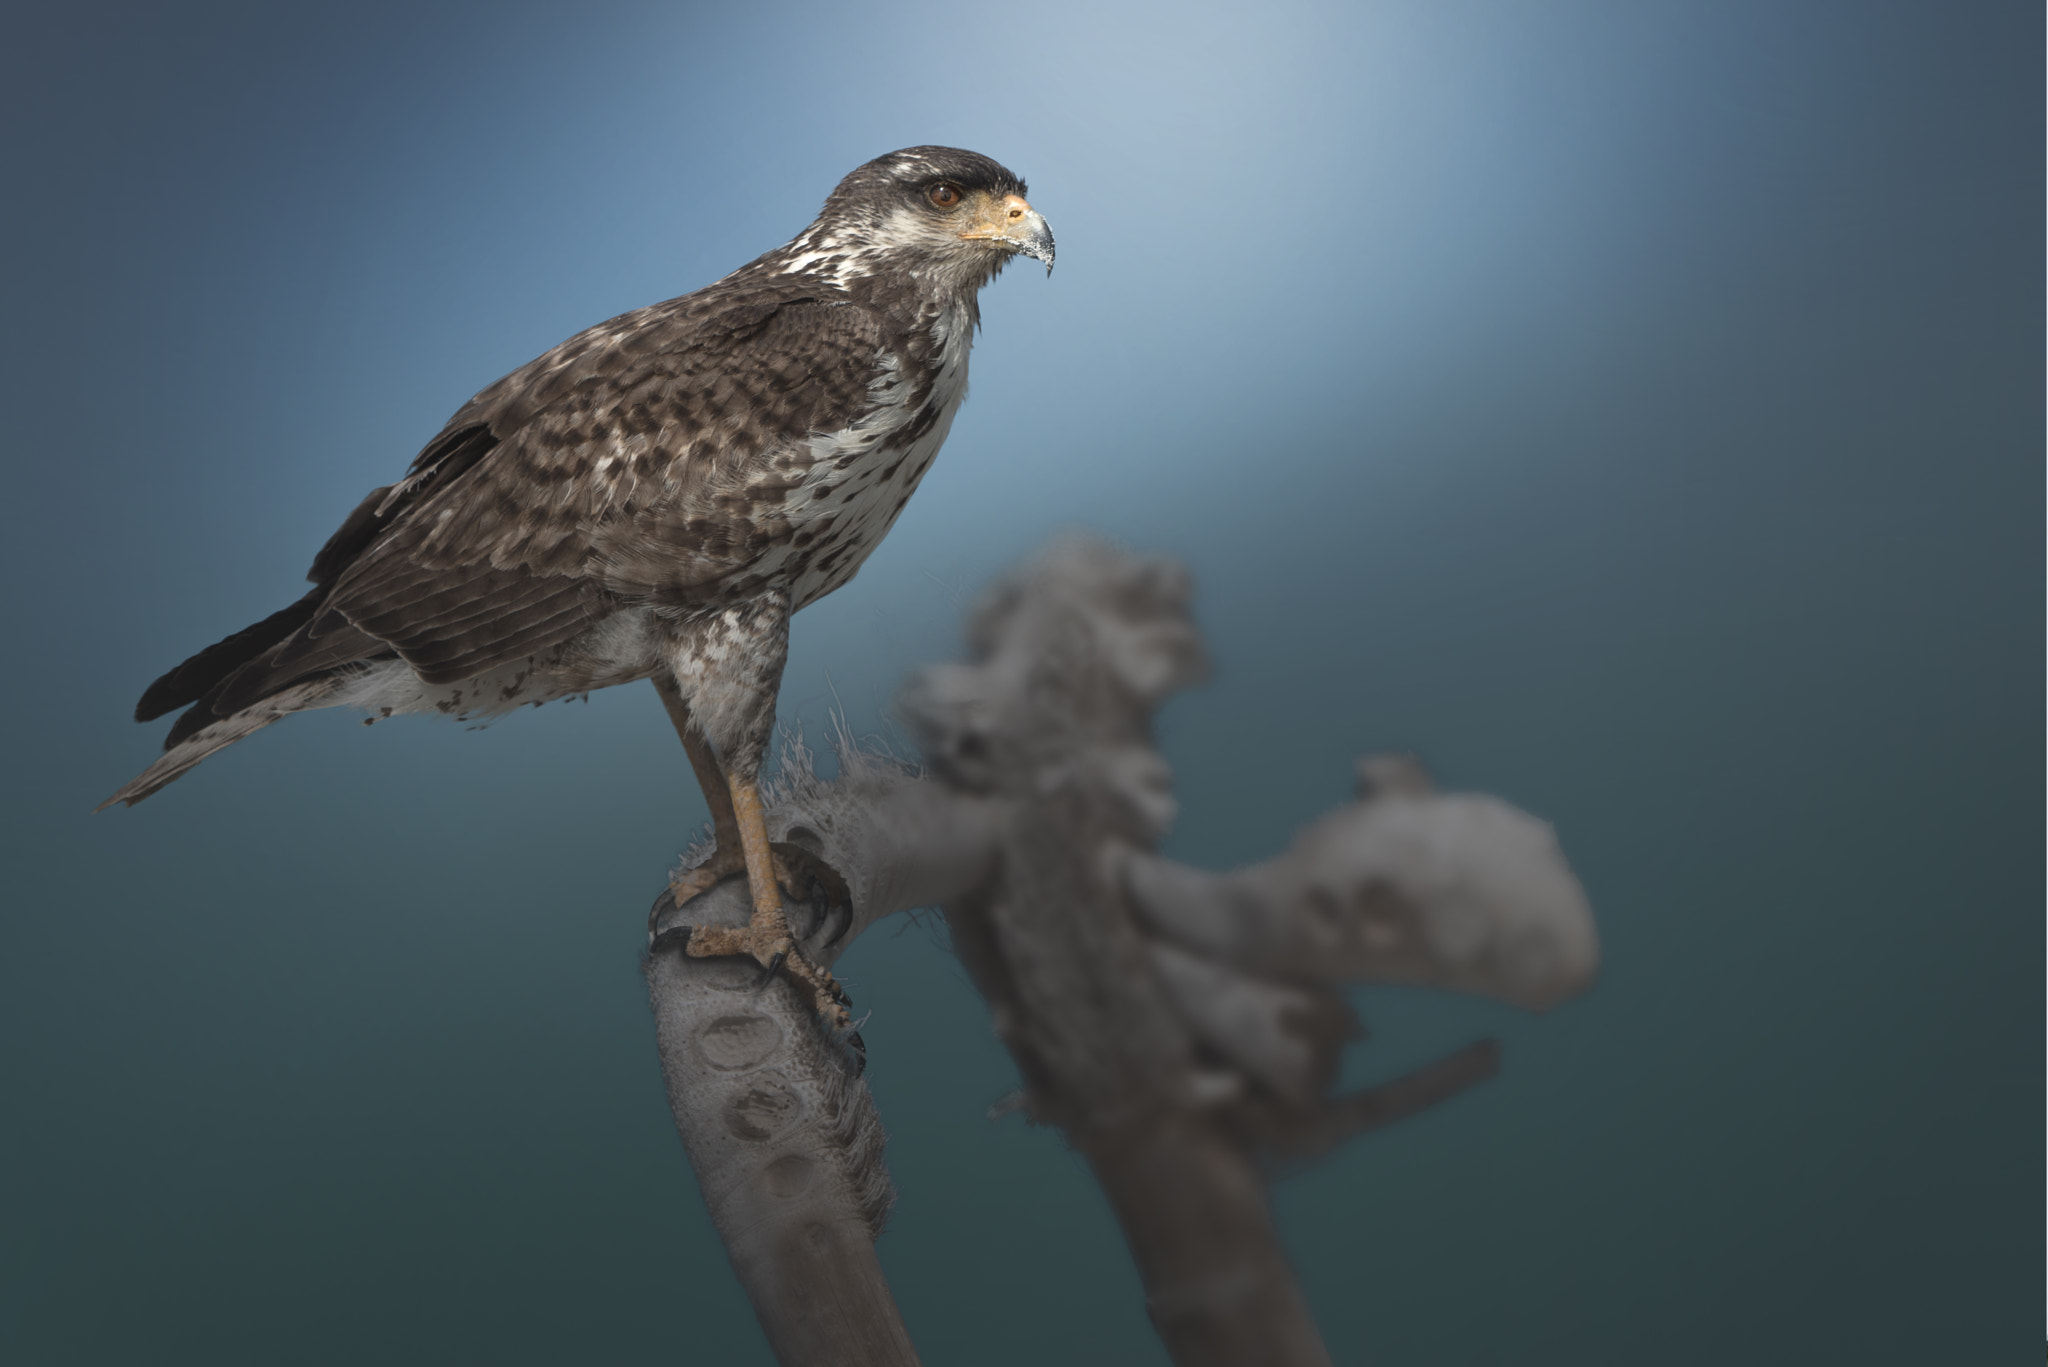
column 1636, row 409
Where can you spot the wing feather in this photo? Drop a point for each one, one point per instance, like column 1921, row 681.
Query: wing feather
column 618, row 467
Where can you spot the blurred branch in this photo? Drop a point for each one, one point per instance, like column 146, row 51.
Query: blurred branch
column 1182, row 1027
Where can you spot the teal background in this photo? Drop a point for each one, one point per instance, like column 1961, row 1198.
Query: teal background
column 1633, row 408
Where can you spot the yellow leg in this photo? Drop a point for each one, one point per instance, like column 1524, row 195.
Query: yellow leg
column 766, row 937
column 739, row 823
column 727, row 859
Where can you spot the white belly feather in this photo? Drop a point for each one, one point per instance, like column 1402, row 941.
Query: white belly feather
column 860, row 479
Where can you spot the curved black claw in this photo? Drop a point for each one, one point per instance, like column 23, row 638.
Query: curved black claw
column 657, row 933
column 774, row 967
column 818, row 887
column 835, row 911
column 660, row 938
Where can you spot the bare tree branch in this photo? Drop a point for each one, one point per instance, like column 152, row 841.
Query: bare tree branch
column 1183, row 1028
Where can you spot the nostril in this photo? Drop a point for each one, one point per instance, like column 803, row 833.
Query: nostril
column 1016, row 213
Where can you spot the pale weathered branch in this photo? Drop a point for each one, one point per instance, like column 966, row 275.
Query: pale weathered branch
column 1182, row 1027
column 787, row 1149
column 1459, row 891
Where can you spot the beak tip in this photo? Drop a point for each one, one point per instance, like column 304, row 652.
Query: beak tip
column 1032, row 239
column 1041, row 248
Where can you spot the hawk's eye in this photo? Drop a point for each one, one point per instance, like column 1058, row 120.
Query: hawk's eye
column 943, row 195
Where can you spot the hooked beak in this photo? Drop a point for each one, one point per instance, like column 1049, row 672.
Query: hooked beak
column 1016, row 225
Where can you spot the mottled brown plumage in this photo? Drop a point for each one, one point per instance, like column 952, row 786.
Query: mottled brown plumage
column 710, row 452
column 656, row 495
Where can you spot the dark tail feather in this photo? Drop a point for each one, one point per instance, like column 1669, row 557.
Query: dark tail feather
column 220, row 732
column 239, row 686
column 198, row 676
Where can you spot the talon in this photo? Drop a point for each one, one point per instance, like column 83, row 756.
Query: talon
column 744, row 848
column 657, row 940
column 725, row 862
column 841, row 913
column 809, row 880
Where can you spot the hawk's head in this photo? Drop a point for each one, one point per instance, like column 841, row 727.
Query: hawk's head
column 936, row 212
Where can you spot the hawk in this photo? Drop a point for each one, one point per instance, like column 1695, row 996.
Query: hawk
column 652, row 499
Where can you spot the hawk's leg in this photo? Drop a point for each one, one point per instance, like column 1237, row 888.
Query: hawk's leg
column 726, row 860
column 739, row 826
column 767, row 936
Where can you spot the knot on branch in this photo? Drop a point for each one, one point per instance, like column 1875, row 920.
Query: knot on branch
column 1067, row 661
